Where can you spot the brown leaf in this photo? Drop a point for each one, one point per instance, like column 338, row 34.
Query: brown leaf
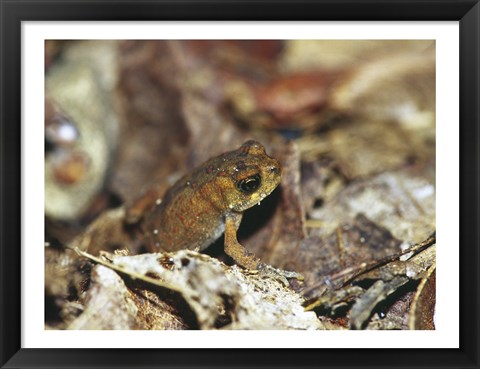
column 422, row 311
column 352, row 245
column 401, row 201
column 399, row 87
column 154, row 135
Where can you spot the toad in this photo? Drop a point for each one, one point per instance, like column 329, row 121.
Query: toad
column 210, row 201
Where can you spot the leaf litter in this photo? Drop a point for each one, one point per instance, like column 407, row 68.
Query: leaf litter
column 355, row 212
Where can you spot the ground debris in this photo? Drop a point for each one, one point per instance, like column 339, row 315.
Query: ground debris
column 213, row 295
column 352, row 123
column 360, row 292
column 401, row 201
column 107, row 297
column 422, row 311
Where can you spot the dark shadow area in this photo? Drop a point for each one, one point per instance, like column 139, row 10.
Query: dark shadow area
column 253, row 220
column 258, row 216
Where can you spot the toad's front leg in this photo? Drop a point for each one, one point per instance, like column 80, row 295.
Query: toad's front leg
column 233, row 248
column 245, row 258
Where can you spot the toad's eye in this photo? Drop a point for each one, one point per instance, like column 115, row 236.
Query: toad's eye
column 250, row 184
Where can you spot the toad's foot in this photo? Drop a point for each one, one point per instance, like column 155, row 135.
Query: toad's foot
column 267, row 271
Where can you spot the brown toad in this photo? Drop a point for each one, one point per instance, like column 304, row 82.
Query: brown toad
column 210, row 201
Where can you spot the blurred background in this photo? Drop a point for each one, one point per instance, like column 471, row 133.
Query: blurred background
column 353, row 123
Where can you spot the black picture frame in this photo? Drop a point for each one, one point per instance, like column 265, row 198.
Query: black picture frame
column 467, row 12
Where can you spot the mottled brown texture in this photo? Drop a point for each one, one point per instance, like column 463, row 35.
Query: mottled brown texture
column 289, row 98
column 326, row 260
column 197, row 291
column 107, row 233
column 422, row 312
column 394, row 316
column 211, row 200
column 357, row 187
column 397, row 87
column 157, row 312
column 107, row 296
column 153, row 129
column 63, row 272
column 401, row 201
